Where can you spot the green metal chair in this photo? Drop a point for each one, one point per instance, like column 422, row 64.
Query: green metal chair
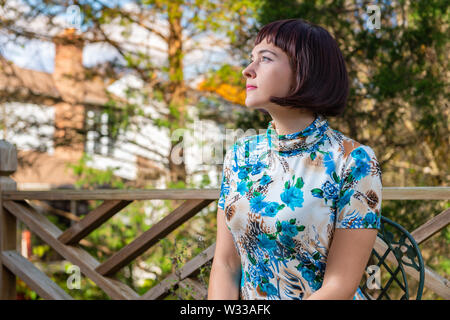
column 407, row 253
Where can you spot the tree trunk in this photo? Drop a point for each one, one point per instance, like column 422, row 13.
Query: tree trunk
column 177, row 91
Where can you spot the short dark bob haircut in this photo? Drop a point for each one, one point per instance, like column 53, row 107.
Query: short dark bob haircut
column 321, row 81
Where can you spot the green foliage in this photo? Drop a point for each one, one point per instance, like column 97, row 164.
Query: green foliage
column 90, row 178
column 40, row 250
column 225, row 74
column 25, row 293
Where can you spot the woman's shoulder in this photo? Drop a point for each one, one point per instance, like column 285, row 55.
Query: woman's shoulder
column 351, row 155
column 347, row 146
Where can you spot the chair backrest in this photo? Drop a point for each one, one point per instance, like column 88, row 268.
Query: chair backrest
column 396, row 251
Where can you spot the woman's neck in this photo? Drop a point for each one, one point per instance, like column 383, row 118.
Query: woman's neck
column 292, row 121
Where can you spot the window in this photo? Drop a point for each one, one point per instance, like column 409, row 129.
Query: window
column 99, row 137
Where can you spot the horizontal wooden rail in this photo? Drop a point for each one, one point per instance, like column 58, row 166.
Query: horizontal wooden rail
column 388, row 193
column 416, row 193
column 130, row 195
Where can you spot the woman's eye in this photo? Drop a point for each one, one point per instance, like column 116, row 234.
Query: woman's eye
column 251, row 60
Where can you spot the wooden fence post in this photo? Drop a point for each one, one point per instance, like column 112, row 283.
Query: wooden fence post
column 8, row 222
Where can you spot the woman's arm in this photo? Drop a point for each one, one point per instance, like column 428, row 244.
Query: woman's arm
column 347, row 258
column 225, row 276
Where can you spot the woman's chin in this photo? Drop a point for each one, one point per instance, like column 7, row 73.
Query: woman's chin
column 253, row 104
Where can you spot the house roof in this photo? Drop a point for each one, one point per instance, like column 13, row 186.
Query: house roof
column 21, row 82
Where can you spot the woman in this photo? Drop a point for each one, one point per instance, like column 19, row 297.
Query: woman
column 300, row 204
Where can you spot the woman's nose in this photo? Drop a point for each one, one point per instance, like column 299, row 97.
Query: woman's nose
column 248, row 72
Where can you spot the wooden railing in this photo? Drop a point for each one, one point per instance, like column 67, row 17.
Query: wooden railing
column 15, row 206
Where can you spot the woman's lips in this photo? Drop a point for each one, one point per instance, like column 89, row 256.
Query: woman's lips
column 251, row 88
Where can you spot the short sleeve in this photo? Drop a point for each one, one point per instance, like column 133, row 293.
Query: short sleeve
column 359, row 201
column 226, row 177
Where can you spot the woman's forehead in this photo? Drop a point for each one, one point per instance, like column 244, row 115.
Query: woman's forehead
column 264, row 45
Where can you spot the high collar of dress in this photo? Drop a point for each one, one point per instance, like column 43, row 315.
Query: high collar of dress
column 288, row 144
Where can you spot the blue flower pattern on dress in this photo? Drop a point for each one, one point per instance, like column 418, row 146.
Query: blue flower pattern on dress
column 283, row 197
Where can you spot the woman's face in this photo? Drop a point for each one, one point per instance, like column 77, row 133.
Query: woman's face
column 270, row 72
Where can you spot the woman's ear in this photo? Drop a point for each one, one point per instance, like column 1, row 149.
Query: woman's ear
column 293, row 84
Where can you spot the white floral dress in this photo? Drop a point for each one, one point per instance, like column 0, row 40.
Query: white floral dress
column 284, row 195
